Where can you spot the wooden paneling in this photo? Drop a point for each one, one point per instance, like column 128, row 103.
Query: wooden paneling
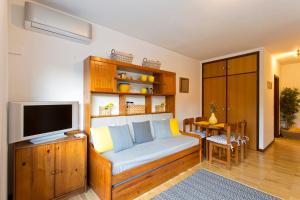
column 242, row 103
column 34, row 173
column 103, row 77
column 243, row 64
column 214, row 91
column 70, row 166
column 214, row 69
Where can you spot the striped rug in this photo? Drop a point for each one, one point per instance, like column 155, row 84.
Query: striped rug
column 206, row 185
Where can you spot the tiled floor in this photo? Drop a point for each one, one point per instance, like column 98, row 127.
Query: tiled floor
column 276, row 171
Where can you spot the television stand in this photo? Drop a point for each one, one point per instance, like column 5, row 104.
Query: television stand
column 48, row 138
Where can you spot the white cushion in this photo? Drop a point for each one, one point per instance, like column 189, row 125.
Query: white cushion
column 220, row 139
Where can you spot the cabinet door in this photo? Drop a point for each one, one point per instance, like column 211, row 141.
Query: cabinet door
column 242, row 103
column 168, row 83
column 214, row 91
column 213, row 69
column 70, row 165
column 34, row 173
column 243, row 64
column 103, row 77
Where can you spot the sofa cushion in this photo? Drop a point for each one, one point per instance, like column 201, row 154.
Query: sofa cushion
column 174, row 126
column 121, row 137
column 148, row 152
column 102, row 139
column 142, row 132
column 162, row 128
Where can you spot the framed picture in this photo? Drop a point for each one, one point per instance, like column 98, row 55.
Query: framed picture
column 184, row 85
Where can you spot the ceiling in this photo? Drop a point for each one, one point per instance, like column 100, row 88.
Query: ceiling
column 199, row 29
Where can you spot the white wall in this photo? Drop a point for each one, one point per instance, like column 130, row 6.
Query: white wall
column 3, row 98
column 46, row 68
column 289, row 77
column 268, row 67
column 271, row 68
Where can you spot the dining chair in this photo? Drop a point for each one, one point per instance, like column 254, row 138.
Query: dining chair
column 199, row 119
column 189, row 122
column 227, row 142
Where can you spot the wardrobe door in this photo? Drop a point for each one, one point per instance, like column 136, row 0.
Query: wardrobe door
column 242, row 103
column 214, row 91
column 213, row 69
column 243, row 64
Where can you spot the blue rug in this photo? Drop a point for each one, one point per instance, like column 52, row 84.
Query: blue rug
column 207, row 185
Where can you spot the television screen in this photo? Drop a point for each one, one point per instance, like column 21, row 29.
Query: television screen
column 39, row 119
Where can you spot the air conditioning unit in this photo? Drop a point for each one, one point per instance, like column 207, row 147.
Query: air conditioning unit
column 45, row 20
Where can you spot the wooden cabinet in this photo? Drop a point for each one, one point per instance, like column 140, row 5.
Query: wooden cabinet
column 234, row 91
column 242, row 103
column 242, row 64
column 34, row 173
column 168, row 83
column 214, row 69
column 103, row 77
column 49, row 171
column 214, row 91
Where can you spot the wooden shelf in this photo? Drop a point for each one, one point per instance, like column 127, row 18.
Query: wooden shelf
column 138, row 81
column 131, row 93
column 103, row 116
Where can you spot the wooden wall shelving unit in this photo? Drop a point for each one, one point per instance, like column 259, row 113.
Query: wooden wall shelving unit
column 100, row 77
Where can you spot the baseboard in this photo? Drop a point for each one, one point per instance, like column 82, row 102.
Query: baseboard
column 263, row 150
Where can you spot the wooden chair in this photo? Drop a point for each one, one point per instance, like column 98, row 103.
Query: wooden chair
column 225, row 142
column 189, row 122
column 199, row 119
column 243, row 140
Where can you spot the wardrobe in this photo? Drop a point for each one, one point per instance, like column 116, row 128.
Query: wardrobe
column 232, row 85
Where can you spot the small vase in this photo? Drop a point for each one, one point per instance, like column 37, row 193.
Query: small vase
column 213, row 120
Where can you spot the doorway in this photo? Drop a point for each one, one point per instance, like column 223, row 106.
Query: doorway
column 276, row 107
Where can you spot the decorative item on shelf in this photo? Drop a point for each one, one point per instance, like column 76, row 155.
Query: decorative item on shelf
column 131, row 108
column 143, row 77
column 106, row 110
column 122, row 75
column 160, row 108
column 121, row 56
column 151, row 79
column 150, row 90
column 144, row 90
column 213, row 109
column 151, row 63
column 124, row 87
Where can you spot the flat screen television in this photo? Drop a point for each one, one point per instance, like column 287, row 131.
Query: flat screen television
column 30, row 120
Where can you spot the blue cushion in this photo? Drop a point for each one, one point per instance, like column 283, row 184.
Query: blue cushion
column 121, row 137
column 162, row 128
column 142, row 132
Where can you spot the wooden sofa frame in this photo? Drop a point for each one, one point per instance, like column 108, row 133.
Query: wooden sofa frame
column 141, row 179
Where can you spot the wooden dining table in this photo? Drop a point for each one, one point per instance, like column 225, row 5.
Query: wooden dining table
column 209, row 131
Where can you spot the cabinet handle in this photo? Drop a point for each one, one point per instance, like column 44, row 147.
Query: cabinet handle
column 228, row 109
column 23, row 163
column 53, row 172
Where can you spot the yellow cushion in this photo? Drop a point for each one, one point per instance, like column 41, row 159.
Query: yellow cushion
column 202, row 123
column 174, row 125
column 102, row 139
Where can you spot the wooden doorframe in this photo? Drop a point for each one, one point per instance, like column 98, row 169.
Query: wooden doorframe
column 276, row 107
column 257, row 92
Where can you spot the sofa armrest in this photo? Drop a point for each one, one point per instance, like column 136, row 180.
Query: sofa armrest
column 195, row 136
column 100, row 174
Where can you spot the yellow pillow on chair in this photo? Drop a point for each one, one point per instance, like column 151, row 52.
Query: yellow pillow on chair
column 174, row 125
column 101, row 139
